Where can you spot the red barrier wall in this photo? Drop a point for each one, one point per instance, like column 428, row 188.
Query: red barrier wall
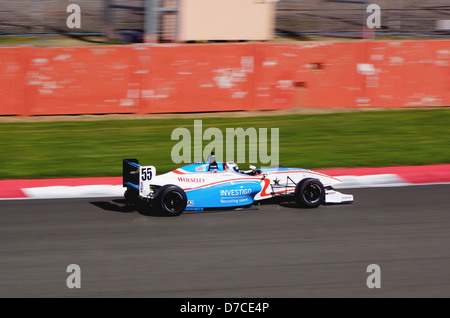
column 12, row 75
column 81, row 80
column 312, row 74
column 220, row 77
column 217, row 77
column 408, row 73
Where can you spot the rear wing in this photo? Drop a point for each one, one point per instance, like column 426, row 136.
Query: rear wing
column 137, row 177
column 130, row 173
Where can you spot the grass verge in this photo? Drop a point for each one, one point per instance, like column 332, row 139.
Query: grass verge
column 96, row 148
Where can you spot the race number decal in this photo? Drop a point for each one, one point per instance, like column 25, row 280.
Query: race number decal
column 146, row 174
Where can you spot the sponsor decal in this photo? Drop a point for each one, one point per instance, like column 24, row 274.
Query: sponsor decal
column 234, row 192
column 190, row 203
column 191, row 180
column 241, row 201
column 265, row 186
column 194, row 209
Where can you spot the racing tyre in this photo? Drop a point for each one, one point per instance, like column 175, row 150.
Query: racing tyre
column 309, row 193
column 171, row 200
column 131, row 196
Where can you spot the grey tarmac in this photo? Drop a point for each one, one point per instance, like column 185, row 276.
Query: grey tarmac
column 273, row 250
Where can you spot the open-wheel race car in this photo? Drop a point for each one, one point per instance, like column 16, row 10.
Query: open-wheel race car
column 217, row 185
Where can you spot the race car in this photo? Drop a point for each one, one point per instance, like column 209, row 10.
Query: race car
column 221, row 185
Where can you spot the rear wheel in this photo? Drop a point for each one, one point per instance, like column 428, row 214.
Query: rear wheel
column 309, row 193
column 171, row 200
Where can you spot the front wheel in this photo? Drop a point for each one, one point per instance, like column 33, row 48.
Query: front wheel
column 309, row 193
column 171, row 200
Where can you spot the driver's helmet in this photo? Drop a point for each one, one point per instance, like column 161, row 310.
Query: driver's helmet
column 231, row 165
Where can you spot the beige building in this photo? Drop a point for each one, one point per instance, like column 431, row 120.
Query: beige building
column 198, row 20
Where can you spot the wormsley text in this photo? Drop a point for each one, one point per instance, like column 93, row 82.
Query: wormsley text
column 234, row 140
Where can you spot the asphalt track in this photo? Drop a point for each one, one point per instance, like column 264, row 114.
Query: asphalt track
column 270, row 251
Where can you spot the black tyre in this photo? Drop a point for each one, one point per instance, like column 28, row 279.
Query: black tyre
column 309, row 193
column 131, row 196
column 171, row 200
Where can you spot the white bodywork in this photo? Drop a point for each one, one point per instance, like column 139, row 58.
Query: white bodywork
column 273, row 183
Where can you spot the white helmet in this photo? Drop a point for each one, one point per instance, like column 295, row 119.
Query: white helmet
column 231, row 165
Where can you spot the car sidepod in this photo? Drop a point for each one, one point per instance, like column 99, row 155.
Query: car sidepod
column 223, row 195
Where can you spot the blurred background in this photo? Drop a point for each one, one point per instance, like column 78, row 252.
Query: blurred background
column 227, row 59
column 299, row 19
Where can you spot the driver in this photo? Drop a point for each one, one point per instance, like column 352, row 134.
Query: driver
column 231, row 165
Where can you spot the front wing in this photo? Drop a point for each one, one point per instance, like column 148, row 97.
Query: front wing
column 335, row 197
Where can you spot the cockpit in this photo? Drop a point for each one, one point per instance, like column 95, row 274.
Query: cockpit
column 211, row 165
